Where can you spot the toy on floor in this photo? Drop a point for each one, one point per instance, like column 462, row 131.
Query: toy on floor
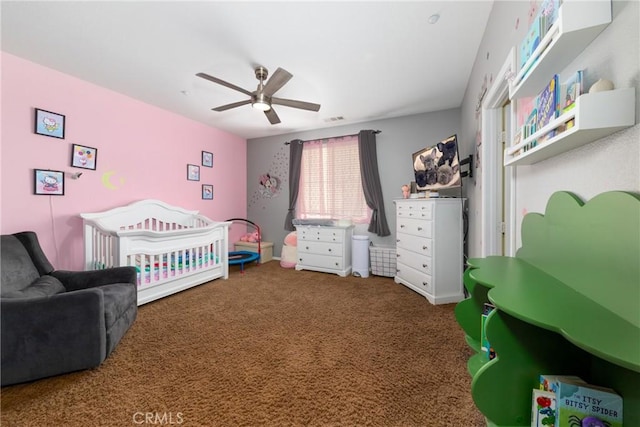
column 242, row 257
column 289, row 254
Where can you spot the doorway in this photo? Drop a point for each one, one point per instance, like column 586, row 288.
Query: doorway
column 498, row 198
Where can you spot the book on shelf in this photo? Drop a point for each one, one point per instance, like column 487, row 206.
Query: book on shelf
column 570, row 90
column 530, row 127
column 543, row 408
column 530, row 42
column 484, row 342
column 545, row 18
column 549, row 14
column 548, row 103
column 580, row 403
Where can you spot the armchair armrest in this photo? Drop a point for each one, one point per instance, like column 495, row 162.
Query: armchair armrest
column 74, row 280
column 48, row 336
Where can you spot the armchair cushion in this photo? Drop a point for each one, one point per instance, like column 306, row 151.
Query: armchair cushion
column 41, row 287
column 17, row 268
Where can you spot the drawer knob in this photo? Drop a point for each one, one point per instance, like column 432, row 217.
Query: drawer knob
column 425, row 265
column 401, row 225
column 397, row 240
column 307, row 247
column 425, row 284
column 397, row 255
column 424, row 248
column 329, row 249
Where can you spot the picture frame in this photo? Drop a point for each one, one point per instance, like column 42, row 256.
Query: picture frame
column 207, row 192
column 193, row 172
column 84, row 157
column 48, row 182
column 48, row 123
column 207, row 159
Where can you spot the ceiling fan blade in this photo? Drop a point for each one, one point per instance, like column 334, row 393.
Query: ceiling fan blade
column 296, row 104
column 234, row 105
column 276, row 81
column 223, row 83
column 272, row 116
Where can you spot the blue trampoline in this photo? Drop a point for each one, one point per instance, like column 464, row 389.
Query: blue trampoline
column 243, row 257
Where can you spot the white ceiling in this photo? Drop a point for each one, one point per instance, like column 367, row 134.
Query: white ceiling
column 363, row 60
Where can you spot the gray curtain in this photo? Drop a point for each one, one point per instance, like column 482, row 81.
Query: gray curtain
column 371, row 182
column 295, row 160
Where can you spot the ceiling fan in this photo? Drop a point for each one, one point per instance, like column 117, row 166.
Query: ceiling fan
column 262, row 98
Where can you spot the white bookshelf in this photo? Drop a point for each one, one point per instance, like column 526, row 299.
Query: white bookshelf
column 577, row 25
column 596, row 115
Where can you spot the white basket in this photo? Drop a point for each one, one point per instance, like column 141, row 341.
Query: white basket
column 383, row 260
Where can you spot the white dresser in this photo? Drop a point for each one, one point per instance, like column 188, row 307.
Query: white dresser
column 324, row 248
column 429, row 248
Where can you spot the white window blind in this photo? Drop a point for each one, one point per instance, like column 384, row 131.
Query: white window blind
column 330, row 183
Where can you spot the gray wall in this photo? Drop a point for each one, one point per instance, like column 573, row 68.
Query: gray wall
column 398, row 140
column 611, row 163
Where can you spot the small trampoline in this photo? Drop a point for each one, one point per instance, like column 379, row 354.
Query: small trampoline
column 243, row 257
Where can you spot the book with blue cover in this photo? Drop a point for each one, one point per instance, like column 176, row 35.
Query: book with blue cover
column 548, row 103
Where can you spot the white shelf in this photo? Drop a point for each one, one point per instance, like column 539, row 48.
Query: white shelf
column 577, row 25
column 596, row 115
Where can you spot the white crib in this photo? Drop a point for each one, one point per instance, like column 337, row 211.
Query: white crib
column 173, row 249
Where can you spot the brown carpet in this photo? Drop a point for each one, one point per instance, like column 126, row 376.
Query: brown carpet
column 272, row 347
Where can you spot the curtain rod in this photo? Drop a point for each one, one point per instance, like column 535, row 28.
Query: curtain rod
column 330, row 137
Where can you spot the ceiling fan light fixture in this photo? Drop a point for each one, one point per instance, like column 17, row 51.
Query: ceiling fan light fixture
column 261, row 105
column 260, row 102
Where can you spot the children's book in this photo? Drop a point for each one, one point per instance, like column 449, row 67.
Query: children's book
column 549, row 12
column 579, row 403
column 484, row 342
column 543, row 409
column 530, row 42
column 570, row 90
column 547, row 103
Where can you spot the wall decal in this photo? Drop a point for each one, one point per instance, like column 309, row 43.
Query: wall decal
column 269, row 185
column 107, row 180
column 279, row 168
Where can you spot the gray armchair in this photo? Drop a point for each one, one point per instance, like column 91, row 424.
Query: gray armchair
column 53, row 321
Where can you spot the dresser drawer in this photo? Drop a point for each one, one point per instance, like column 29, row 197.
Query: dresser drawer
column 420, row 262
column 417, row 244
column 419, row 210
column 320, row 261
column 321, row 248
column 416, row 227
column 416, row 278
column 320, row 234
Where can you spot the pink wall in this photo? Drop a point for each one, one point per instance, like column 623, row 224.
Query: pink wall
column 144, row 151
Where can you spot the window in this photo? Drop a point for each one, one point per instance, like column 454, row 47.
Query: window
column 330, row 183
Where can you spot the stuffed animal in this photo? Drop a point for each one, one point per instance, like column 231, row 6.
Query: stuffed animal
column 251, row 237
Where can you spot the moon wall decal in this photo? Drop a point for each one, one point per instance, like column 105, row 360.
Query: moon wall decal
column 106, row 180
